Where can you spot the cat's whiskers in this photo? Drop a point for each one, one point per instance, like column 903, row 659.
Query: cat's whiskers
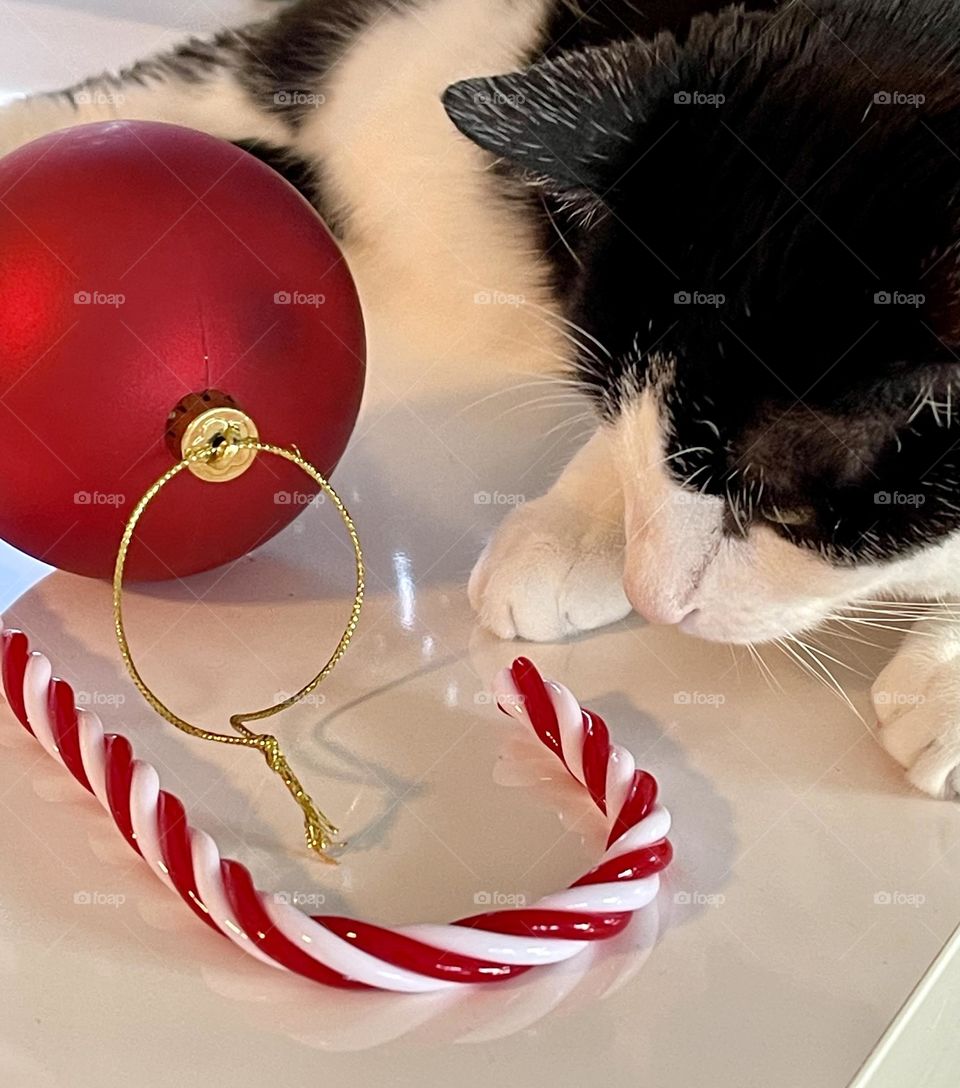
column 556, row 226
column 909, row 610
column 584, row 416
column 818, row 669
column 879, row 625
column 764, row 668
column 548, row 400
column 805, row 666
column 848, row 634
column 892, row 615
column 683, row 453
column 573, row 325
column 573, row 387
column 821, row 652
column 894, row 619
column 732, row 507
column 586, row 358
column 693, row 474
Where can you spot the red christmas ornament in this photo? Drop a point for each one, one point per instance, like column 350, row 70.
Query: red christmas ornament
column 149, row 272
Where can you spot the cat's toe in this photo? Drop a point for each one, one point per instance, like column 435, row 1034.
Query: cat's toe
column 920, row 727
column 936, row 770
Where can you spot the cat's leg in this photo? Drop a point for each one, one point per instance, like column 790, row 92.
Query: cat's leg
column 917, row 699
column 555, row 565
column 218, row 85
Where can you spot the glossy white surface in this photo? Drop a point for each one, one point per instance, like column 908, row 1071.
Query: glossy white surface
column 811, row 889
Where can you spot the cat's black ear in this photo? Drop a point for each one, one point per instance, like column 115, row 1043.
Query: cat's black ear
column 568, row 122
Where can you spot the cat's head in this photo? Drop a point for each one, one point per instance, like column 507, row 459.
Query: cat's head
column 764, row 301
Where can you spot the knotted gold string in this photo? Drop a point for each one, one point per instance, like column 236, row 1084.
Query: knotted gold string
column 319, row 831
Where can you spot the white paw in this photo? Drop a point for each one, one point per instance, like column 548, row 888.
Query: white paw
column 547, row 575
column 917, row 700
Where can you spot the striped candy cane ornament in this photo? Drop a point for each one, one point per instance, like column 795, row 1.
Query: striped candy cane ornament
column 342, row 951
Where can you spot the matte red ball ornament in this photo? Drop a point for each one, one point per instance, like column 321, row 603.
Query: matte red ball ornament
column 146, row 272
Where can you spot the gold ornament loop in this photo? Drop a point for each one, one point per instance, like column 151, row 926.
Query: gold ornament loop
column 318, row 830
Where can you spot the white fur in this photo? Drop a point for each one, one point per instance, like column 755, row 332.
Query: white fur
column 425, row 222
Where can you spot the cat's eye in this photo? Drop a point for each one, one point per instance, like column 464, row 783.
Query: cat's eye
column 791, row 517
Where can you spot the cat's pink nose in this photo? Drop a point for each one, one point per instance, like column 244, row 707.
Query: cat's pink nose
column 665, row 615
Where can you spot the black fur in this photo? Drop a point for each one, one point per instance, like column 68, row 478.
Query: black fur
column 301, row 173
column 572, row 26
column 800, row 198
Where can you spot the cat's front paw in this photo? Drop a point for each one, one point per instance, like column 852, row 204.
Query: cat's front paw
column 547, row 574
column 917, row 700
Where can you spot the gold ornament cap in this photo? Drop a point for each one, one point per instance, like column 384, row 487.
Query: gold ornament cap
column 223, row 429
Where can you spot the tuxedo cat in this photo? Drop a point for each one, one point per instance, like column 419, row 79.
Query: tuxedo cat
column 734, row 230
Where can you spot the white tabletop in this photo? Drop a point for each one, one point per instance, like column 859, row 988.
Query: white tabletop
column 811, row 889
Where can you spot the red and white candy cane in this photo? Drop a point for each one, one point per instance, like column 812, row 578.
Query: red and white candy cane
column 342, row 951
